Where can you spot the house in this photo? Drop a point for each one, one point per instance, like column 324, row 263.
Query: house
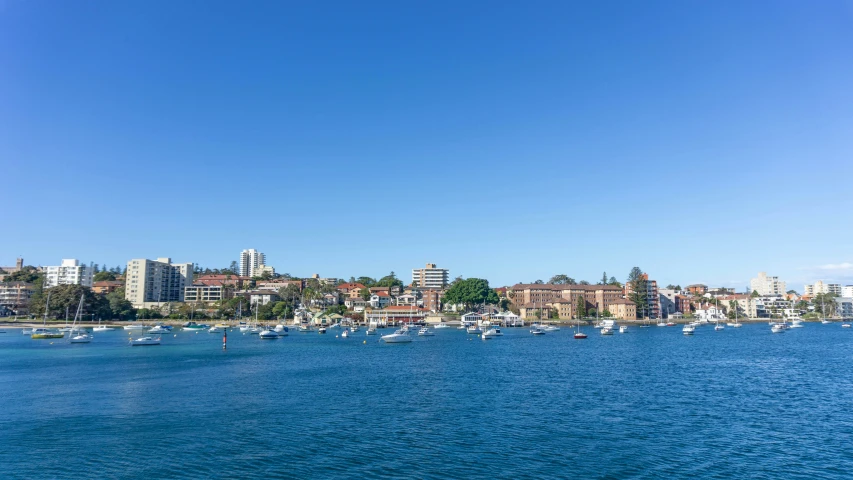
column 380, row 299
column 221, row 280
column 407, row 300
column 107, row 286
column 263, row 297
column 471, row 318
column 356, row 304
column 395, row 314
column 710, row 313
column 350, row 289
column 509, row 319
column 622, row 309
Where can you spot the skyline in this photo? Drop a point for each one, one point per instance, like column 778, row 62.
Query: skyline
column 703, row 143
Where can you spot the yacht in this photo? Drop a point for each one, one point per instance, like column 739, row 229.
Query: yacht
column 244, row 328
column 537, row 330
column 192, row 327
column 255, row 330
column 267, row 334
column 425, row 332
column 670, row 324
column 42, row 333
column 159, row 330
column 492, row 333
column 661, row 323
column 778, row 328
column 552, row 328
column 134, row 326
column 474, row 330
column 796, row 323
column 441, row 325
column 145, row 341
column 281, row 330
column 825, row 321
column 99, row 328
column 400, row 336
column 81, row 338
column 303, row 328
column 623, row 328
column 345, row 333
column 607, row 330
column 688, row 329
column 371, row 330
column 321, row 330
column 580, row 335
column 845, row 325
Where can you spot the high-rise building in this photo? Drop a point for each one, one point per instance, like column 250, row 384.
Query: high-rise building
column 651, row 309
column 820, row 287
column 765, row 285
column 250, row 262
column 156, row 281
column 69, row 273
column 430, row 277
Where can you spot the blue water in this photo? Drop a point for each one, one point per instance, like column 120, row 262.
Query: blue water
column 650, row 403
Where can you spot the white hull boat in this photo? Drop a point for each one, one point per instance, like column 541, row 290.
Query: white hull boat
column 623, row 329
column 268, row 335
column 688, row 330
column 397, row 337
column 474, row 330
column 606, row 331
column 492, row 333
column 145, row 341
column 134, row 327
column 84, row 338
column 425, row 332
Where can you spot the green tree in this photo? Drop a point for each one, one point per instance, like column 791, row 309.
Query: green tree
column 560, row 279
column 64, row 297
column 603, row 279
column 538, row 282
column 583, row 282
column 581, row 307
column 28, row 274
column 613, row 281
column 754, row 294
column 366, row 281
column 120, row 307
column 389, row 280
column 470, row 292
column 606, row 313
column 104, row 276
column 364, row 293
column 638, row 286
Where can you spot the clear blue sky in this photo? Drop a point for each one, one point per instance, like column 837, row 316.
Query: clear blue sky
column 701, row 141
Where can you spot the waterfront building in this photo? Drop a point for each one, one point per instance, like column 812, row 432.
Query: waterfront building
column 718, row 291
column 430, row 299
column 697, row 289
column 70, row 272
column 765, row 285
column 623, row 309
column 325, row 280
column 667, row 302
column 235, row 281
column 820, row 287
column 262, row 297
column 107, row 286
column 380, row 300
column 16, row 296
column 652, row 307
column 356, row 304
column 151, row 282
column 844, row 307
column 279, row 284
column 747, row 305
column 430, row 277
column 596, row 296
column 407, row 300
column 201, row 293
column 264, row 269
column 250, row 262
column 395, row 314
column 774, row 304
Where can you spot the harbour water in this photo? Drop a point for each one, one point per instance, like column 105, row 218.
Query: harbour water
column 650, row 403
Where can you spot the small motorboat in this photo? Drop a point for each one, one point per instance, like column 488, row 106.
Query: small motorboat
column 537, row 330
column 371, row 331
column 321, row 330
column 661, row 324
column 135, row 326
column 159, row 330
column 737, row 325
column 27, row 331
column 345, row 333
column 102, row 329
column 670, row 324
column 688, row 329
column 193, row 327
column 43, row 333
column 796, row 324
column 144, row 341
column 441, row 325
column 845, row 325
column 719, row 327
column 400, row 336
column 303, row 329
column 778, row 328
column 474, row 330
column 552, row 328
column 825, row 321
column 606, row 331
column 425, row 332
column 493, row 332
column 214, row 329
column 281, row 330
column 623, row 328
column 267, row 334
column 255, row 330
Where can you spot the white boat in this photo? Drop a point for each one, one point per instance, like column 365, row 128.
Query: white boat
column 27, row 331
column 623, row 328
column 688, row 329
column 493, row 332
column 661, row 323
column 371, row 330
column 606, row 330
column 135, row 326
column 99, row 328
column 796, row 323
column 214, row 329
column 82, row 338
column 474, row 330
column 845, row 325
column 145, row 341
column 303, row 328
column 267, row 334
column 425, row 332
column 825, row 321
column 354, row 328
column 76, row 334
column 321, row 330
column 159, row 330
column 345, row 333
column 778, row 328
column 281, row 330
column 441, row 325
column 537, row 330
column 400, row 336
column 244, row 328
column 552, row 328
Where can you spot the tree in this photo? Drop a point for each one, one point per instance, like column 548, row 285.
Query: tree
column 754, row 294
column 470, row 292
column 603, row 279
column 561, row 280
column 733, row 307
column 389, row 280
column 64, row 297
column 104, row 276
column 366, row 281
column 28, row 274
column 583, row 282
column 538, row 282
column 789, row 292
column 824, row 304
column 613, row 281
column 606, row 313
column 120, row 307
column 234, row 267
column 364, row 293
column 581, row 307
column 638, row 285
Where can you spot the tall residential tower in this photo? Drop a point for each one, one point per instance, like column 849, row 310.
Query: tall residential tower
column 250, row 262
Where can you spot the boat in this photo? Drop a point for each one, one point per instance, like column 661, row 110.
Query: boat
column 81, row 335
column 303, row 328
column 192, row 327
column 321, row 330
column 796, row 323
column 688, row 329
column 661, row 323
column 578, row 334
column 345, row 333
column 371, row 330
column 214, row 329
column 27, row 331
column 778, row 328
column 281, row 330
column 623, row 328
column 719, row 327
column 267, row 334
column 537, row 330
column 159, row 330
column 825, row 321
column 99, row 328
column 44, row 332
column 552, row 328
column 670, row 324
column 399, row 336
column 493, row 332
column 441, row 325
column 145, row 341
column 606, row 330
column 425, row 332
column 474, row 330
column 845, row 325
column 134, row 326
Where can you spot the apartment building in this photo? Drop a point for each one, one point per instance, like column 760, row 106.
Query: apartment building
column 150, row 282
column 250, row 262
column 431, row 277
column 697, row 289
column 765, row 285
column 430, row 299
column 847, row 291
column 820, row 287
column 529, row 297
column 652, row 307
column 844, row 307
column 16, row 296
column 623, row 309
column 107, row 286
column 70, row 272
column 201, row 293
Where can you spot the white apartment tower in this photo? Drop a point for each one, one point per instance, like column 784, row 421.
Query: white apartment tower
column 765, row 285
column 156, row 281
column 430, row 277
column 820, row 287
column 250, row 262
column 69, row 273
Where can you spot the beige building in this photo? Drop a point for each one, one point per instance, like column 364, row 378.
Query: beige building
column 16, row 296
column 622, row 309
column 595, row 296
column 151, row 282
column 206, row 293
column 431, row 277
